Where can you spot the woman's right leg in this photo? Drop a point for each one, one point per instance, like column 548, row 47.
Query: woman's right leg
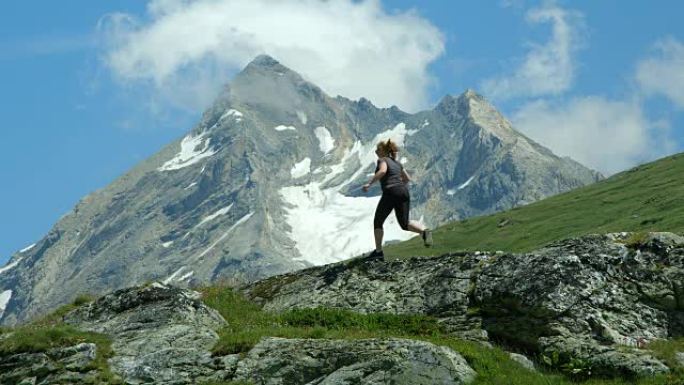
column 383, row 210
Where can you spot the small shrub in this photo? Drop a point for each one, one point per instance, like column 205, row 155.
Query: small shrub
column 636, row 239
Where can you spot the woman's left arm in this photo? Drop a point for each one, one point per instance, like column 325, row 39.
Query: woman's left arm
column 382, row 170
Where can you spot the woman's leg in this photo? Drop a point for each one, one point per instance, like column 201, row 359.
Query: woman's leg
column 402, row 206
column 381, row 212
column 416, row 227
column 378, row 233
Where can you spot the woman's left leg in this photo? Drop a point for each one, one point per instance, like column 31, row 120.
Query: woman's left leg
column 401, row 209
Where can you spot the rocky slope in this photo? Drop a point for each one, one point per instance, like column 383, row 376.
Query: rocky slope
column 595, row 302
column 163, row 335
column 267, row 182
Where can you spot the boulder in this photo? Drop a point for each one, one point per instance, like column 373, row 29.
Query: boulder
column 160, row 334
column 70, row 364
column 370, row 361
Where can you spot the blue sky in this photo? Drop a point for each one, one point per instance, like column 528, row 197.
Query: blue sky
column 91, row 88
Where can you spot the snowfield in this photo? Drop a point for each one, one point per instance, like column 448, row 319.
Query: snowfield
column 5, row 296
column 301, row 168
column 328, row 226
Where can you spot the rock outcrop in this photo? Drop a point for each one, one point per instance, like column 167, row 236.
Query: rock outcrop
column 70, row 365
column 594, row 301
column 159, row 334
column 164, row 334
column 370, row 361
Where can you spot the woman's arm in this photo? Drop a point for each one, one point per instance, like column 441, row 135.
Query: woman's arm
column 405, row 177
column 382, row 170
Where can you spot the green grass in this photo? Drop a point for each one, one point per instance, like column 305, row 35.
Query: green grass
column 666, row 350
column 247, row 324
column 649, row 197
column 50, row 332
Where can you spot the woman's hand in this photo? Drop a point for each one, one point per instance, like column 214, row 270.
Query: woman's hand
column 366, row 187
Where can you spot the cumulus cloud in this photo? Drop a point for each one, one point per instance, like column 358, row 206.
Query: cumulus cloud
column 188, row 48
column 663, row 73
column 549, row 68
column 606, row 135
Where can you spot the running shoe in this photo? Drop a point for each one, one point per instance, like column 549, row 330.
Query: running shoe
column 376, row 255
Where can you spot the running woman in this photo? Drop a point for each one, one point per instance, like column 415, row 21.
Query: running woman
column 395, row 196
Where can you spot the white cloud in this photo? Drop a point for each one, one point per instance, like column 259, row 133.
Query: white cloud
column 664, row 73
column 347, row 47
column 606, row 135
column 549, row 68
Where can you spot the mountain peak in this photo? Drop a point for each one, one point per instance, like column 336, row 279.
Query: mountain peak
column 264, row 61
column 267, row 82
column 479, row 110
column 265, row 65
column 470, row 94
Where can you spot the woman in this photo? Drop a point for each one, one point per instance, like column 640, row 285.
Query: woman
column 395, row 196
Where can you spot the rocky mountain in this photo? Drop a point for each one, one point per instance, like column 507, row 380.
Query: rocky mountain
column 595, row 306
column 268, row 182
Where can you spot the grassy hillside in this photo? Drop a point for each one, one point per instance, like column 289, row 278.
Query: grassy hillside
column 649, row 197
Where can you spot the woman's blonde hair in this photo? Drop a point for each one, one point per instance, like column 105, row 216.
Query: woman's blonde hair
column 388, row 148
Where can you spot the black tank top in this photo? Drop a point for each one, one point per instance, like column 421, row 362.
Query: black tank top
column 392, row 177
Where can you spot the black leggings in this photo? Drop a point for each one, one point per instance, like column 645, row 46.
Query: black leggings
column 397, row 198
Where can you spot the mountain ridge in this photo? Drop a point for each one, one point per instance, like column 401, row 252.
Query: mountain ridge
column 267, row 182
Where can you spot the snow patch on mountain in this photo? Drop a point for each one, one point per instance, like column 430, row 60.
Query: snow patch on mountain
column 11, row 265
column 301, row 168
column 185, row 276
column 5, row 296
column 234, row 113
column 27, row 248
column 172, row 276
column 311, row 209
column 325, row 140
column 284, row 128
column 302, row 117
column 214, row 215
column 466, row 183
column 189, row 153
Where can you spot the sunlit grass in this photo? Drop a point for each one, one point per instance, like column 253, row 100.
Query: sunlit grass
column 647, row 198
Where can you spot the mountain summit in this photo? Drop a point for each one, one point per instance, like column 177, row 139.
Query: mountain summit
column 268, row 182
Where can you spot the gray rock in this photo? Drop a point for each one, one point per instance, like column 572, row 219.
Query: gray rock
column 679, row 356
column 160, row 333
column 435, row 287
column 593, row 300
column 56, row 366
column 370, row 361
column 522, row 360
